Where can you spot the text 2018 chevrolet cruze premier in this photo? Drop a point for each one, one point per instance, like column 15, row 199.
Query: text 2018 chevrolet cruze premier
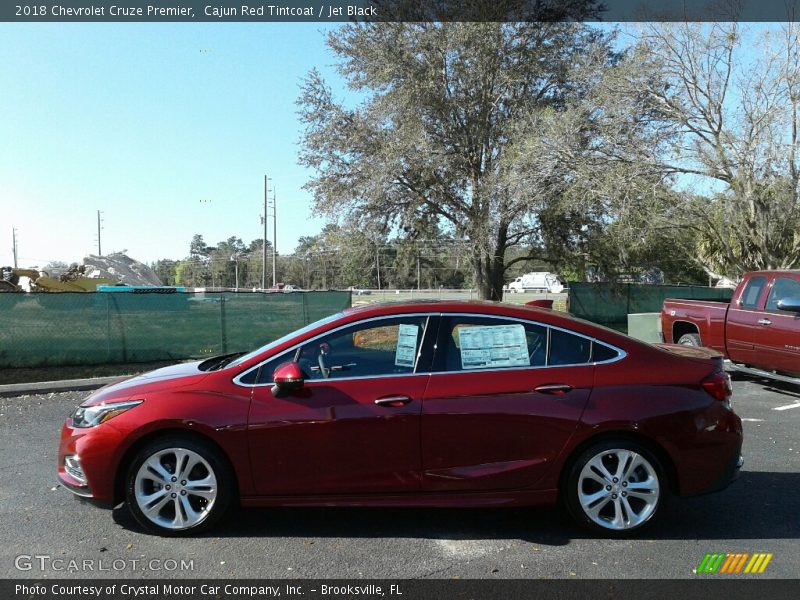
column 422, row 404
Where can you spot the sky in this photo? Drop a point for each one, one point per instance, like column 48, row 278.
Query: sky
column 168, row 129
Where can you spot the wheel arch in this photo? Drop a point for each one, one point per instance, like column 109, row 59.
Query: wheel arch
column 133, row 450
column 681, row 328
column 657, row 449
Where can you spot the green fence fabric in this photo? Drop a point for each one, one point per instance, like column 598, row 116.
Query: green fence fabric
column 609, row 303
column 49, row 329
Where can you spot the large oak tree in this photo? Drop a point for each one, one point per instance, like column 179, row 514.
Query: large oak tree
column 443, row 106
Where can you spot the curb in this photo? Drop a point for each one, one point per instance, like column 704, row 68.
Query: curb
column 48, row 387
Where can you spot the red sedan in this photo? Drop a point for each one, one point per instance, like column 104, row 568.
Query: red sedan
column 419, row 404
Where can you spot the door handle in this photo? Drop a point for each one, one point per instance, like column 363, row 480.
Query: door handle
column 393, row 401
column 557, row 389
column 764, row 322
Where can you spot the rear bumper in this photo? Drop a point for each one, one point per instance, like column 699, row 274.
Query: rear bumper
column 710, row 457
column 732, row 471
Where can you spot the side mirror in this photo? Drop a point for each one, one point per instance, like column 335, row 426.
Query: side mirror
column 789, row 304
column 288, row 377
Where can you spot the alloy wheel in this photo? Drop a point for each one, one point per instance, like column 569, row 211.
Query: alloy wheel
column 175, row 488
column 618, row 489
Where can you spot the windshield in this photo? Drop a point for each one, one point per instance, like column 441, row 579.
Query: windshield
column 279, row 341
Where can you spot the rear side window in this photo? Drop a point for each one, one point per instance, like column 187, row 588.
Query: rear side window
column 469, row 343
column 784, row 287
column 752, row 292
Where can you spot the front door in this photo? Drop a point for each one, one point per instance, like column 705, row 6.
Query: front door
column 780, row 342
column 354, row 426
column 746, row 322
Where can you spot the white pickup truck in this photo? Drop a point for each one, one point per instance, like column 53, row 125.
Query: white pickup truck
column 540, row 281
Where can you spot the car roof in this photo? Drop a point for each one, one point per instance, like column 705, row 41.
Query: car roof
column 775, row 272
column 521, row 311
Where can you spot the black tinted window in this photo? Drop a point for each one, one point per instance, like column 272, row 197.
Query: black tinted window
column 784, row 287
column 602, row 353
column 752, row 292
column 569, row 349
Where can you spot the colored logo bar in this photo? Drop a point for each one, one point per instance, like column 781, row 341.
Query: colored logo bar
column 734, row 563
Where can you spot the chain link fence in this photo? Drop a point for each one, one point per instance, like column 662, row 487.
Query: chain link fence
column 54, row 329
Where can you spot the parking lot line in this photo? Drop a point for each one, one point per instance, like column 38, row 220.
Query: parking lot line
column 752, row 420
column 788, row 406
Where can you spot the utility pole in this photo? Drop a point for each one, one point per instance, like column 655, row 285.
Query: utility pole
column 99, row 248
column 14, row 244
column 274, row 236
column 235, row 259
column 378, row 263
column 264, row 245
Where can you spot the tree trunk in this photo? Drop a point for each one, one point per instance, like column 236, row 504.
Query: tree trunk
column 488, row 271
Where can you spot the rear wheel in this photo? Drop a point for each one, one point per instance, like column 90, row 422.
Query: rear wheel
column 178, row 486
column 690, row 339
column 615, row 488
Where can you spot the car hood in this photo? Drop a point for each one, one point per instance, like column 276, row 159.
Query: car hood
column 171, row 377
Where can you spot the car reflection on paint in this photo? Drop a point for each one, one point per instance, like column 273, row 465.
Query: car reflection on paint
column 414, row 404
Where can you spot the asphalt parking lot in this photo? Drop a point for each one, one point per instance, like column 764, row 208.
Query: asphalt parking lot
column 759, row 513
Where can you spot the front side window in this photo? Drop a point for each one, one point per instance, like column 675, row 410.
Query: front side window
column 281, row 340
column 752, row 292
column 378, row 347
column 263, row 374
column 784, row 287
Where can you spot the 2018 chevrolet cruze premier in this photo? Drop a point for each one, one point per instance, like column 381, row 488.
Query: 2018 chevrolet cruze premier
column 425, row 404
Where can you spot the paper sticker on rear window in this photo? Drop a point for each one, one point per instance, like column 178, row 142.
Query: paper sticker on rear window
column 406, row 346
column 484, row 347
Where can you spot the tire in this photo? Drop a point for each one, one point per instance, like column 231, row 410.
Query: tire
column 615, row 508
column 690, row 339
column 172, row 501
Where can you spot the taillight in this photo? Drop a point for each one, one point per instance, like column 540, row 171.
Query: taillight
column 718, row 385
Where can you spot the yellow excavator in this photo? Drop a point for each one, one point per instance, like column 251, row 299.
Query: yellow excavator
column 73, row 280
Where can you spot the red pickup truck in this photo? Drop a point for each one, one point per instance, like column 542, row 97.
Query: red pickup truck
column 759, row 330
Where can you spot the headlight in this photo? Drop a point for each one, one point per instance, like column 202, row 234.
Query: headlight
column 90, row 416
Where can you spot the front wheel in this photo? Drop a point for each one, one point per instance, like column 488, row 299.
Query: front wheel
column 178, row 486
column 615, row 488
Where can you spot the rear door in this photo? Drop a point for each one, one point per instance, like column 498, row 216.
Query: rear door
column 502, row 402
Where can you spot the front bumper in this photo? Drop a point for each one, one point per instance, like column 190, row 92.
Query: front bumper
column 90, row 452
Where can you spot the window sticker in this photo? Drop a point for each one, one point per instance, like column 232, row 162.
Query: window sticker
column 484, row 347
column 406, row 346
